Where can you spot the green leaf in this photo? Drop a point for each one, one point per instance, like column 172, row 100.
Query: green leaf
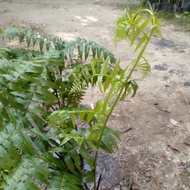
column 48, row 44
column 71, row 52
column 21, row 36
column 12, row 115
column 88, row 176
column 99, row 51
column 87, row 50
column 107, row 145
column 34, row 38
column 41, row 43
column 69, row 163
column 134, row 87
column 86, row 155
column 111, row 76
column 46, row 93
column 93, row 48
column 92, row 145
column 105, row 53
column 28, row 37
column 60, row 44
column 76, row 158
column 141, row 41
column 80, row 49
column 72, row 117
column 90, row 116
column 102, row 72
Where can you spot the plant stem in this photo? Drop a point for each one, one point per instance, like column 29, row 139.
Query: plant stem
column 102, row 132
column 114, row 105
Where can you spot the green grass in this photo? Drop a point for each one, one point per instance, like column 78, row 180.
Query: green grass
column 133, row 6
column 182, row 20
column 123, row 6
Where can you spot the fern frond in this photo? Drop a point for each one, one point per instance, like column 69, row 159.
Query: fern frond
column 42, row 146
column 79, row 47
column 64, row 181
column 25, row 173
column 144, row 66
column 137, row 27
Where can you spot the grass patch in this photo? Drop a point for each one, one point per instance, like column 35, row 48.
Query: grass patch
column 180, row 20
column 183, row 22
column 133, row 6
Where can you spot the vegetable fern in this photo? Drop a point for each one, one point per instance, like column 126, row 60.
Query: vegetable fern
column 46, row 135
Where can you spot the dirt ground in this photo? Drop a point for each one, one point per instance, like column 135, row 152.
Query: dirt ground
column 154, row 150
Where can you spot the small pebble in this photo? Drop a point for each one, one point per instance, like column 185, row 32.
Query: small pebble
column 147, row 174
column 134, row 187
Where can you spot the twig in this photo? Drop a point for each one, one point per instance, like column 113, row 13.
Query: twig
column 126, row 130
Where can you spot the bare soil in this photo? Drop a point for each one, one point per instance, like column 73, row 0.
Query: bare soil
column 154, row 149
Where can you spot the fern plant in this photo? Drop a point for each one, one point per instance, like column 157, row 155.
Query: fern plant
column 46, row 135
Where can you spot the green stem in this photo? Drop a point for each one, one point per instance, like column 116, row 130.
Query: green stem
column 102, row 132
column 114, row 105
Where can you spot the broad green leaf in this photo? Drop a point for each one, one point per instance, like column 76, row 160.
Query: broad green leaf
column 86, row 155
column 92, row 145
column 20, row 94
column 26, row 77
column 35, row 120
column 65, row 140
column 106, row 144
column 76, row 159
column 69, row 163
column 46, row 93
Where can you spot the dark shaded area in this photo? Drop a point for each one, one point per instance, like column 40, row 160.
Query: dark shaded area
column 162, row 67
column 180, row 6
column 187, row 84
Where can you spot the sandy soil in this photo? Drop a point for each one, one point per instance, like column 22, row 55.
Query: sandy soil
column 155, row 125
